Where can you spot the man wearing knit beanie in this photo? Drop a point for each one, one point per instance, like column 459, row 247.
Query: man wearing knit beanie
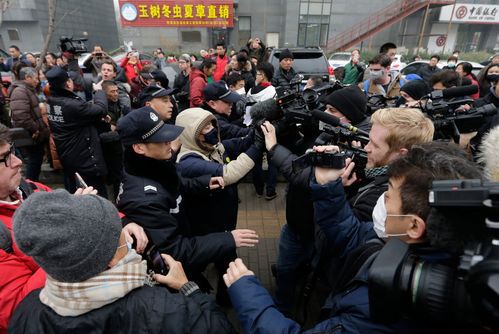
column 95, row 277
column 285, row 73
column 349, row 105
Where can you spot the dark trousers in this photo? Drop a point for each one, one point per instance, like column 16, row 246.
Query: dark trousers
column 33, row 158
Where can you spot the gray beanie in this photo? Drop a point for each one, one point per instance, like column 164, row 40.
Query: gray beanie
column 72, row 238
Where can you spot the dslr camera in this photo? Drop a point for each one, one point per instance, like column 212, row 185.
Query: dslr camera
column 73, row 45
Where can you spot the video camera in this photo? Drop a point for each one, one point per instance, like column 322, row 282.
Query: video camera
column 445, row 109
column 379, row 101
column 72, row 45
column 461, row 294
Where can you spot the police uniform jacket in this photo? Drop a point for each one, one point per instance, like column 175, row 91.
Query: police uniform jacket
column 73, row 124
column 150, row 197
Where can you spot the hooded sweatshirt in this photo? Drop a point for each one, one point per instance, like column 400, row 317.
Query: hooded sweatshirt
column 216, row 211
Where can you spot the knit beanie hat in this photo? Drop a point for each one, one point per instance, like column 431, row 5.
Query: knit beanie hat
column 415, row 89
column 285, row 54
column 72, row 238
column 350, row 101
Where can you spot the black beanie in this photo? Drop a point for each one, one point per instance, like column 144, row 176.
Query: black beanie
column 350, row 101
column 415, row 89
column 285, row 54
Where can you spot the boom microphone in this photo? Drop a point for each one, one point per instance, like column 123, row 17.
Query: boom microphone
column 335, row 121
column 266, row 110
column 454, row 92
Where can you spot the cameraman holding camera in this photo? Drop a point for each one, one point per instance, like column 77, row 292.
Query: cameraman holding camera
column 403, row 213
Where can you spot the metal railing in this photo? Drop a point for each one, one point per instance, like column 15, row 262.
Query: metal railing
column 378, row 21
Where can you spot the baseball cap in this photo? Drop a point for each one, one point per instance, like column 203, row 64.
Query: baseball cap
column 152, row 92
column 220, row 91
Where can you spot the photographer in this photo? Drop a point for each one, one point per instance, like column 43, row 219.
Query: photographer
column 96, row 59
column 404, row 215
column 132, row 65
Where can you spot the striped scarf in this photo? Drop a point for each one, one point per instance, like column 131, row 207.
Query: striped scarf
column 74, row 299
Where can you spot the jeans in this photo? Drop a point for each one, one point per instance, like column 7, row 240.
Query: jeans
column 294, row 252
column 259, row 178
column 34, row 155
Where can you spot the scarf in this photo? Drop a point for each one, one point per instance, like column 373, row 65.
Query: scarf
column 371, row 173
column 74, row 299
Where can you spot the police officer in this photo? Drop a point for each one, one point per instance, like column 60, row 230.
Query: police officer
column 150, row 193
column 73, row 123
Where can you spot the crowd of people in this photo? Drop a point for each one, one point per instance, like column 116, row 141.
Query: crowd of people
column 151, row 172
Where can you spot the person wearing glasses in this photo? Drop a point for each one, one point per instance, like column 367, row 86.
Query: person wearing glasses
column 20, row 273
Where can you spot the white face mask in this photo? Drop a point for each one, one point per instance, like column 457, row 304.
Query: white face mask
column 379, row 217
column 241, row 91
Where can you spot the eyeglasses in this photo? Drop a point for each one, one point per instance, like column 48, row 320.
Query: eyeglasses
column 7, row 157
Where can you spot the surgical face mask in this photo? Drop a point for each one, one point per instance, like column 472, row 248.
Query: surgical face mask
column 376, row 74
column 379, row 217
column 492, row 78
column 241, row 91
column 451, row 64
column 211, row 137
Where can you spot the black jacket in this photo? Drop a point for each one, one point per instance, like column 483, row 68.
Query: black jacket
column 299, row 205
column 150, row 196
column 426, row 72
column 182, row 84
column 282, row 78
column 228, row 130
column 143, row 310
column 73, row 124
column 365, row 199
column 489, row 122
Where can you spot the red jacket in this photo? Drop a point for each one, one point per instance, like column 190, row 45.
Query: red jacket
column 474, row 82
column 19, row 273
column 130, row 71
column 198, row 81
column 220, row 70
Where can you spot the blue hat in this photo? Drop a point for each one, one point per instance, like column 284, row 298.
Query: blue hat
column 152, row 92
column 144, row 126
column 57, row 77
column 220, row 91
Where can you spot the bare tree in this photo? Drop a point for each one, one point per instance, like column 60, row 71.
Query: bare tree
column 4, row 5
column 51, row 27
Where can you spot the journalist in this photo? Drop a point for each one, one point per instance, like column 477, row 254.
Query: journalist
column 403, row 212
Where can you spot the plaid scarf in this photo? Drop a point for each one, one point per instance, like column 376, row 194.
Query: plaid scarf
column 74, row 299
column 371, row 173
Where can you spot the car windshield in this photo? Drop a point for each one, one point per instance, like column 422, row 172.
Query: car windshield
column 307, row 62
column 340, row 56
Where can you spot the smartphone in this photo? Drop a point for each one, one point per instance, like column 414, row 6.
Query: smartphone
column 156, row 262
column 80, row 182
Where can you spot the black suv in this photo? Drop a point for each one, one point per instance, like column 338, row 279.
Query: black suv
column 309, row 62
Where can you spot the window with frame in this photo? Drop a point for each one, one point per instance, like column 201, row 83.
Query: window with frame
column 13, row 34
column 313, row 25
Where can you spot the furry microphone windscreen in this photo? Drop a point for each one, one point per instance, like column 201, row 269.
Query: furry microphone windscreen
column 489, row 154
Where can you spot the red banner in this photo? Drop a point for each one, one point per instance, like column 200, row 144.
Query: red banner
column 177, row 13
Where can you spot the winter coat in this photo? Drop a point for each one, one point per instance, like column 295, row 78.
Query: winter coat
column 248, row 73
column 182, row 84
column 232, row 159
column 25, row 110
column 20, row 274
column 131, row 71
column 73, row 123
column 151, row 197
column 220, row 70
column 197, row 81
column 283, row 78
column 426, row 72
column 228, row 130
column 143, row 310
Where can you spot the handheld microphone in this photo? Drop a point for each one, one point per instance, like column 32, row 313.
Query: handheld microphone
column 335, row 121
column 453, row 92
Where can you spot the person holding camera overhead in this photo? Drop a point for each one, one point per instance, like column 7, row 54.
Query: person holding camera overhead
column 403, row 212
column 131, row 64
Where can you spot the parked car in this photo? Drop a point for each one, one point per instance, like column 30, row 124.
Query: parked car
column 339, row 59
column 416, row 66
column 309, row 62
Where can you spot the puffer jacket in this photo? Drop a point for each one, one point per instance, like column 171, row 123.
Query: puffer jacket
column 143, row 310
column 20, row 274
column 73, row 123
column 283, row 78
column 25, row 110
column 232, row 159
column 197, row 81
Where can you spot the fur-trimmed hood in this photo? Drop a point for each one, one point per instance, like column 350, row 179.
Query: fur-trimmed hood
column 489, row 154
